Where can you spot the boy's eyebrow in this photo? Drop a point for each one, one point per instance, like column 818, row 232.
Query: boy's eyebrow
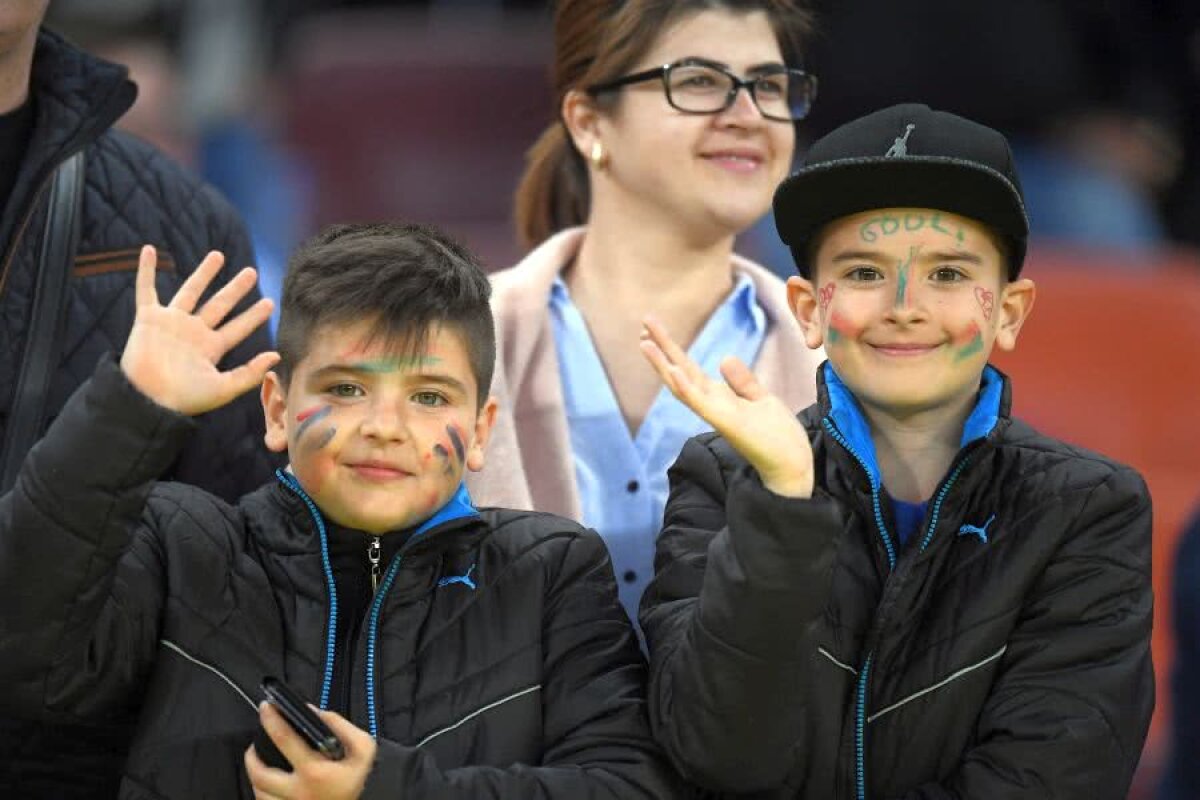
column 952, row 255
column 862, row 255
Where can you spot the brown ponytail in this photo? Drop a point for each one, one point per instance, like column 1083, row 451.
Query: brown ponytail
column 554, row 192
column 596, row 40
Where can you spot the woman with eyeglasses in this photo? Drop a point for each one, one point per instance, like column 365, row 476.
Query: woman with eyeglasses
column 676, row 123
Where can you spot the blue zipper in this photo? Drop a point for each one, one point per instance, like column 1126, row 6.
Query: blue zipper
column 937, row 504
column 860, row 713
column 372, row 628
column 887, row 540
column 331, row 636
column 860, row 718
column 860, row 731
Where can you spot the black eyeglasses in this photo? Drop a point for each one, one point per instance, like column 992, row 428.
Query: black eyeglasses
column 701, row 87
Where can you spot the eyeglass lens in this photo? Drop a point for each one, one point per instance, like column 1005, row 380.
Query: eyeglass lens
column 781, row 95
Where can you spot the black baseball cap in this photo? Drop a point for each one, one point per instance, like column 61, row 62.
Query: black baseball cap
column 905, row 156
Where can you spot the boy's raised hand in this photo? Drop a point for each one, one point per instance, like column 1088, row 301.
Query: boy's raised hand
column 173, row 350
column 754, row 421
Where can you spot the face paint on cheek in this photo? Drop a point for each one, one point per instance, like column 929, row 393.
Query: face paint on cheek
column 444, row 454
column 324, row 439
column 825, row 296
column 840, row 328
column 987, row 301
column 970, row 343
column 456, row 439
column 310, row 417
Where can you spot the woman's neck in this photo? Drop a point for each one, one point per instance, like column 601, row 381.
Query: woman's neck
column 628, row 268
column 914, row 451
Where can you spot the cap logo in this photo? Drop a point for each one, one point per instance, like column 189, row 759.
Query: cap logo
column 900, row 146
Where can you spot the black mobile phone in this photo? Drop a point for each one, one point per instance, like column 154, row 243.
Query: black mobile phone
column 293, row 708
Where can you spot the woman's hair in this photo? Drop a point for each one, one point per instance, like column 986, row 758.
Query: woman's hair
column 598, row 40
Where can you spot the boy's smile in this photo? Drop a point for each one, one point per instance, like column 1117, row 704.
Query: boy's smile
column 909, row 303
column 379, row 438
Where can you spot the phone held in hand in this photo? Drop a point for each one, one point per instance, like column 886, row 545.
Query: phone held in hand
column 293, row 708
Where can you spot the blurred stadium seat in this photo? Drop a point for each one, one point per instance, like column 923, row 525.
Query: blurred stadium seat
column 406, row 118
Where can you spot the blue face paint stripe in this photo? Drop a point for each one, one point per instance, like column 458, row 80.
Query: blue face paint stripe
column 315, row 417
column 459, row 449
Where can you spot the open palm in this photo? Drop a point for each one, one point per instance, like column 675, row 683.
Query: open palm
column 756, row 422
column 172, row 352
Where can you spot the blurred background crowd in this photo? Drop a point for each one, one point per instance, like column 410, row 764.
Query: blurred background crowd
column 306, row 112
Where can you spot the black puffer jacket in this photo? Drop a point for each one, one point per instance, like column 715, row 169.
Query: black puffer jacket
column 134, row 195
column 524, row 680
column 1003, row 653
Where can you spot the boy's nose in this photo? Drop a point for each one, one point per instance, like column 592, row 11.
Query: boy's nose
column 384, row 420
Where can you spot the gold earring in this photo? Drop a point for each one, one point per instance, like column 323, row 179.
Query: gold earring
column 597, row 155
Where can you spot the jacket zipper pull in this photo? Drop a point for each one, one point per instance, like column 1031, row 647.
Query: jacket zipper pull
column 373, row 551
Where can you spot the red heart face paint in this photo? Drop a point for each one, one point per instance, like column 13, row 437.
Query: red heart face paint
column 986, row 300
column 825, row 295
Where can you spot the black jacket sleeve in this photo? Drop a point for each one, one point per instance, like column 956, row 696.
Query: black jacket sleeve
column 740, row 574
column 81, row 573
column 597, row 738
column 1071, row 705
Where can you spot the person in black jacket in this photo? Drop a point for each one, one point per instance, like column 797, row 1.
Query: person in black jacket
column 455, row 651
column 55, row 101
column 1181, row 779
column 909, row 594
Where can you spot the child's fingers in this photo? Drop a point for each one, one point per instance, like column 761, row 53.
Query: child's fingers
column 189, row 294
column 655, row 356
column 671, row 349
column 261, row 777
column 221, row 303
column 741, row 379
column 144, row 292
column 242, row 379
column 290, row 745
column 237, row 329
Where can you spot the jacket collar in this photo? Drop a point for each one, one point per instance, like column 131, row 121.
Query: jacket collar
column 78, row 96
column 303, row 514
column 838, row 404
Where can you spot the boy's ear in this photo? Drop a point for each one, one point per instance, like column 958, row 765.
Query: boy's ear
column 802, row 299
column 484, row 421
column 274, row 403
column 1016, row 303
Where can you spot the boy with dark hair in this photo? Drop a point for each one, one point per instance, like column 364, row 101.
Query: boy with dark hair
column 455, row 652
column 909, row 593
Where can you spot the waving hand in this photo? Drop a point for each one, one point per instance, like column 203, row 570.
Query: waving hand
column 754, row 421
column 173, row 350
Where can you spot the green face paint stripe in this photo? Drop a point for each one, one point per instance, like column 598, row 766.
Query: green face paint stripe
column 902, row 287
column 394, row 364
column 972, row 347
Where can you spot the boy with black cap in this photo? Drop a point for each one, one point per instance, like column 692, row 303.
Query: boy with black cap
column 910, row 593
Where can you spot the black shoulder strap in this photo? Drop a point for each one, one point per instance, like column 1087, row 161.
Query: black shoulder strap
column 55, row 263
